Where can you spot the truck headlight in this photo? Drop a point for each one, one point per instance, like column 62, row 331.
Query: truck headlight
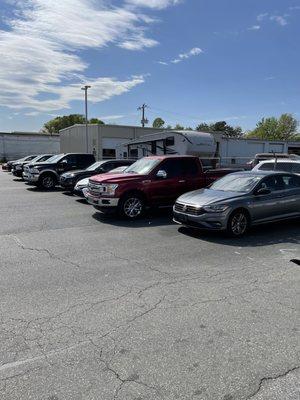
column 109, row 189
column 217, row 208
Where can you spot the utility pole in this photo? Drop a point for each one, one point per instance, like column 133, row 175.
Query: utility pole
column 86, row 88
column 144, row 120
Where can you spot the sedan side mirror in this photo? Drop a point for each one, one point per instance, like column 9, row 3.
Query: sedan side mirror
column 262, row 192
column 161, row 174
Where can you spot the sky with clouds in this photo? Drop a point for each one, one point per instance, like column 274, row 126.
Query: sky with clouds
column 189, row 60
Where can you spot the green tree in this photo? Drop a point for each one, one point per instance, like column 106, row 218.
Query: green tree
column 96, row 121
column 179, row 127
column 282, row 128
column 221, row 126
column 158, row 123
column 58, row 123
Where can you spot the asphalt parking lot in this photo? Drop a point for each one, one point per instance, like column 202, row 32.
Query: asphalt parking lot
column 93, row 308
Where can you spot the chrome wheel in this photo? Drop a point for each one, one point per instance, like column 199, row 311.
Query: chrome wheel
column 48, row 182
column 133, row 207
column 239, row 224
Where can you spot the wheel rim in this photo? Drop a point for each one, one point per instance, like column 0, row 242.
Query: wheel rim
column 239, row 224
column 133, row 207
column 48, row 182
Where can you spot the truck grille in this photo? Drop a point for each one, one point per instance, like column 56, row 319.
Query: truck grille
column 96, row 189
column 188, row 209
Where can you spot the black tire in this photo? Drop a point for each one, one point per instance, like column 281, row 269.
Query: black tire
column 238, row 223
column 47, row 182
column 132, row 206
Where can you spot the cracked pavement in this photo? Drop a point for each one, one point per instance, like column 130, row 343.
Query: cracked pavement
column 96, row 308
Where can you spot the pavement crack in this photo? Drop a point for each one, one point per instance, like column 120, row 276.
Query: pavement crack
column 271, row 378
column 43, row 250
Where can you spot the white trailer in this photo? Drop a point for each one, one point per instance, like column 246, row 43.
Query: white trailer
column 200, row 144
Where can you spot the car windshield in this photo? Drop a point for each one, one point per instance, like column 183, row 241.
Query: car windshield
column 55, row 158
column 143, row 166
column 236, row 183
column 95, row 165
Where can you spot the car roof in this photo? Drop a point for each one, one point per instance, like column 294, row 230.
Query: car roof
column 280, row 160
column 260, row 173
column 164, row 157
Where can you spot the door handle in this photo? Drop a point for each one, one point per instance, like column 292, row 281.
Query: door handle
column 182, row 181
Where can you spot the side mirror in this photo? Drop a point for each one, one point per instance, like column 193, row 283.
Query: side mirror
column 161, row 174
column 262, row 192
column 63, row 164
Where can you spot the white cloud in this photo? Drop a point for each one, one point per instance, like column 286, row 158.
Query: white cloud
column 184, row 56
column 162, row 62
column 261, row 17
column 111, row 117
column 254, row 28
column 158, row 4
column 280, row 19
column 293, row 8
column 39, row 51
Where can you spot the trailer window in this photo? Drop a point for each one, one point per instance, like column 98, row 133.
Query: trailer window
column 109, row 153
column 170, row 141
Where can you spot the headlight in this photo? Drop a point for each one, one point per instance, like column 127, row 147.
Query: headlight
column 35, row 171
column 18, row 167
column 218, row 208
column 109, row 190
column 69, row 176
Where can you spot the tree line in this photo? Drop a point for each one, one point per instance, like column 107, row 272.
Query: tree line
column 272, row 128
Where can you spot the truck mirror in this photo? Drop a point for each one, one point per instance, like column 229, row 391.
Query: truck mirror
column 161, row 174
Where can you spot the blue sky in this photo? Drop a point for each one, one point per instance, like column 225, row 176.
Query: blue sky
column 189, row 60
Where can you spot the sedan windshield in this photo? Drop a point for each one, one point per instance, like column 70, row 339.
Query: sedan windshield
column 95, row 165
column 236, row 183
column 143, row 166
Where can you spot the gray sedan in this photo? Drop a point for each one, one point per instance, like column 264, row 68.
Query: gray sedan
column 239, row 200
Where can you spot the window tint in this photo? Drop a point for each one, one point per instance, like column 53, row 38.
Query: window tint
column 173, row 168
column 266, row 167
column 296, row 168
column 291, row 182
column 108, row 166
column 274, row 183
column 190, row 167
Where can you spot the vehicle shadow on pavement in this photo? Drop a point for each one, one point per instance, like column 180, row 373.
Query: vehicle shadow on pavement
column 284, row 232
column 152, row 218
column 38, row 189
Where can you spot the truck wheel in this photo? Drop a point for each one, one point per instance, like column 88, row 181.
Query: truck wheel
column 47, row 182
column 132, row 206
column 238, row 223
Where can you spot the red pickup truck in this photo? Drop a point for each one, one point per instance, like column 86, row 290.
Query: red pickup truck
column 150, row 182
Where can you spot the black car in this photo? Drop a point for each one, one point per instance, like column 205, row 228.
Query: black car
column 68, row 180
column 9, row 165
column 47, row 174
column 18, row 166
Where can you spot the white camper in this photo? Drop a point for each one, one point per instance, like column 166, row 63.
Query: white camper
column 200, row 144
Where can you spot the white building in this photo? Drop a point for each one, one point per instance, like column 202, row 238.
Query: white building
column 16, row 145
column 103, row 140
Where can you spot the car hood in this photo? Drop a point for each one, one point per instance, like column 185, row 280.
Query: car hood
column 117, row 178
column 208, row 196
column 78, row 172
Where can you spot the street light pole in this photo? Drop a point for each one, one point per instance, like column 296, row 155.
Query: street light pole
column 86, row 88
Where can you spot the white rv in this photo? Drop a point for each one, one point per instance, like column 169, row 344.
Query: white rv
column 200, row 144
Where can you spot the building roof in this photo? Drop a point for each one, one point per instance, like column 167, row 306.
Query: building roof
column 16, row 133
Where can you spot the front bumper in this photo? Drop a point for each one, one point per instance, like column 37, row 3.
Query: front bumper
column 33, row 178
column 210, row 221
column 67, row 184
column 102, row 202
column 17, row 172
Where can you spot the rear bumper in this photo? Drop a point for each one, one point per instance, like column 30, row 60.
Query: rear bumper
column 209, row 221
